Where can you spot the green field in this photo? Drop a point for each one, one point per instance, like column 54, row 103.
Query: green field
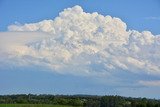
column 31, row 105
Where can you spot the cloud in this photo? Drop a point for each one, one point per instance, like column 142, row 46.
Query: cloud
column 155, row 83
column 20, row 38
column 152, row 18
column 87, row 44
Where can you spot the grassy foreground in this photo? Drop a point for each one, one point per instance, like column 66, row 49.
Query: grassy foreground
column 31, row 105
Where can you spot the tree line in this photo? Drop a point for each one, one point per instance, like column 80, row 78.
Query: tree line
column 79, row 100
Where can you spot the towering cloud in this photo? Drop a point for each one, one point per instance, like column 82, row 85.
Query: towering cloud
column 87, row 44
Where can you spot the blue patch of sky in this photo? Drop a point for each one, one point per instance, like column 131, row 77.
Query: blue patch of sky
column 133, row 12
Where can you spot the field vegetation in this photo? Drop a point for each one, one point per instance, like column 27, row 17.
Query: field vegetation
column 31, row 100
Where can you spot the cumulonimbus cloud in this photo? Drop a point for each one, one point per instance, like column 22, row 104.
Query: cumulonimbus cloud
column 83, row 43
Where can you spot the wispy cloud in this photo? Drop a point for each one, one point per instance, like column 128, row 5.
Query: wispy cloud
column 152, row 18
column 151, row 83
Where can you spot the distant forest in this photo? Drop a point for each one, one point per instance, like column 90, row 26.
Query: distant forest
column 79, row 100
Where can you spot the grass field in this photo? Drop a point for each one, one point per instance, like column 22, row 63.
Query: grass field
column 31, row 105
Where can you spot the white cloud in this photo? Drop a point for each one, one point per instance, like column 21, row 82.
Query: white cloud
column 20, row 38
column 83, row 43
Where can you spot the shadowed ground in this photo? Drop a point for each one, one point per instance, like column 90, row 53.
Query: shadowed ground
column 31, row 105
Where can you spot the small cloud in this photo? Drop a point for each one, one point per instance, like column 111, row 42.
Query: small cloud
column 155, row 83
column 152, row 18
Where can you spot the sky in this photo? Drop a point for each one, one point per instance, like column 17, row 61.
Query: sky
column 138, row 14
column 107, row 47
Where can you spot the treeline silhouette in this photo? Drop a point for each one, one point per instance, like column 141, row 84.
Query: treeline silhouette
column 79, row 100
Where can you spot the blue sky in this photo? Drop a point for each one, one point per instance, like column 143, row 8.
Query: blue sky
column 127, row 67
column 136, row 13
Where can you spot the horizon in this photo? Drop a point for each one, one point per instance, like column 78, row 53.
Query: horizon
column 87, row 95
